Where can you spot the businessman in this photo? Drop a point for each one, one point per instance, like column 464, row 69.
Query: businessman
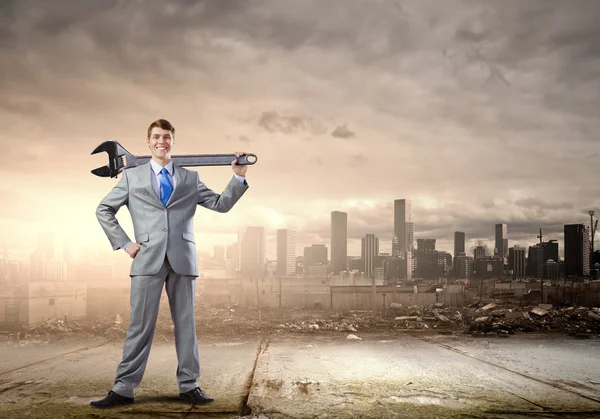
column 162, row 199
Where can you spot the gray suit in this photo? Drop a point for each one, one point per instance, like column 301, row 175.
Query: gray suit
column 167, row 257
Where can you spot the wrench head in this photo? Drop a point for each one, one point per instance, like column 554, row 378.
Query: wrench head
column 103, row 171
column 115, row 159
column 109, row 146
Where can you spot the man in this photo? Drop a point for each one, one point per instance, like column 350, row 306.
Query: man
column 162, row 199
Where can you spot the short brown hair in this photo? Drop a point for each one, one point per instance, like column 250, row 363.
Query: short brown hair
column 161, row 123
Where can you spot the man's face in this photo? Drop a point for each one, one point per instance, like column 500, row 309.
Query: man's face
column 161, row 141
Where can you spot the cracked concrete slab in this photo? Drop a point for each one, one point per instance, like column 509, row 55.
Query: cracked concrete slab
column 541, row 356
column 400, row 376
column 64, row 385
column 311, row 375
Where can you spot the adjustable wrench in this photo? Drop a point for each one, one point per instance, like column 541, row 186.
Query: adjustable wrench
column 120, row 159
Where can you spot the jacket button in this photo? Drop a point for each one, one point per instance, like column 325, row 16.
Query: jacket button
column 166, row 229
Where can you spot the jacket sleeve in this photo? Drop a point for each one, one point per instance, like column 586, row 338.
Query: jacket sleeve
column 224, row 201
column 107, row 210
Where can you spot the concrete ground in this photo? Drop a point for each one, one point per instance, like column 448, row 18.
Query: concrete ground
column 382, row 375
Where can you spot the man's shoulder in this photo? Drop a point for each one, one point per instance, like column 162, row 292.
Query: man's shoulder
column 186, row 171
column 137, row 169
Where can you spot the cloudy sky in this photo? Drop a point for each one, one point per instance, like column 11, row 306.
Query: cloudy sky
column 478, row 111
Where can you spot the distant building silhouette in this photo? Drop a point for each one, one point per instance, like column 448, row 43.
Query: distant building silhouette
column 286, row 252
column 501, row 242
column 369, row 253
column 339, row 241
column 577, row 250
column 516, row 262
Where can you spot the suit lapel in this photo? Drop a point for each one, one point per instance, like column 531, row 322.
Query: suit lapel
column 146, row 174
column 179, row 174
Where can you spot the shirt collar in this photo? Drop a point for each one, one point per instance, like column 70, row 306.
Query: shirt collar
column 156, row 168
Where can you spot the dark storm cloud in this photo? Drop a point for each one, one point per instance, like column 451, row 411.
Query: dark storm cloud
column 541, row 204
column 274, row 122
column 342, row 132
column 465, row 34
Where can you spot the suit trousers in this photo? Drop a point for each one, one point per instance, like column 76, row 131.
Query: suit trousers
column 145, row 300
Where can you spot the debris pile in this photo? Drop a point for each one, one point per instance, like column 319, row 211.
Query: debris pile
column 476, row 319
column 540, row 318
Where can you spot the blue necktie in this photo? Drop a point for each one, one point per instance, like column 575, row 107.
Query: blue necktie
column 165, row 187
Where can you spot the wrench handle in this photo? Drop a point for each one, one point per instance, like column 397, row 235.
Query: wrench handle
column 213, row 159
column 203, row 159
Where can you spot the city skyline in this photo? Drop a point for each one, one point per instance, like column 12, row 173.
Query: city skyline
column 354, row 250
column 478, row 112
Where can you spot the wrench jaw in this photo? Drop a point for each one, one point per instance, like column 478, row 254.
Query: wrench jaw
column 115, row 159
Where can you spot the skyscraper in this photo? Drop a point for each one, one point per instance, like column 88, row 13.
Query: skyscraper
column 402, row 231
column 339, row 241
column 369, row 252
column 286, row 252
column 577, row 250
column 501, row 243
column 315, row 254
column 427, row 259
column 459, row 242
column 516, row 261
column 403, row 237
column 253, row 252
column 535, row 261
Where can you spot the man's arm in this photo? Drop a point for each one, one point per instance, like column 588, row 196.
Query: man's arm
column 224, row 201
column 107, row 209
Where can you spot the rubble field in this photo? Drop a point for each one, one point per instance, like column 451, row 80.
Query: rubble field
column 477, row 319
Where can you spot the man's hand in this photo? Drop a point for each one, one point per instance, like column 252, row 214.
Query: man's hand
column 132, row 249
column 239, row 169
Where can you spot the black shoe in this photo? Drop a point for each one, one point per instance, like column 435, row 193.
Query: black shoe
column 113, row 399
column 195, row 396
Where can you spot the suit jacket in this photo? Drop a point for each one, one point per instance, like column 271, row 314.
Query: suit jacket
column 162, row 230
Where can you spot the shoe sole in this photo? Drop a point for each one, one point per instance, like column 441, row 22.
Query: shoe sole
column 193, row 402
column 112, row 405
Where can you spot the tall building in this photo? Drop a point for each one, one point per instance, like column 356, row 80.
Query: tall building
column 577, row 250
column 478, row 252
column 410, row 236
column 459, row 242
column 459, row 250
column 444, row 260
column 516, row 262
column 463, row 266
column 315, row 254
column 339, row 241
column 427, row 259
column 402, row 227
column 501, row 243
column 253, row 253
column 550, row 250
column 369, row 253
column 286, row 252
column 535, row 261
